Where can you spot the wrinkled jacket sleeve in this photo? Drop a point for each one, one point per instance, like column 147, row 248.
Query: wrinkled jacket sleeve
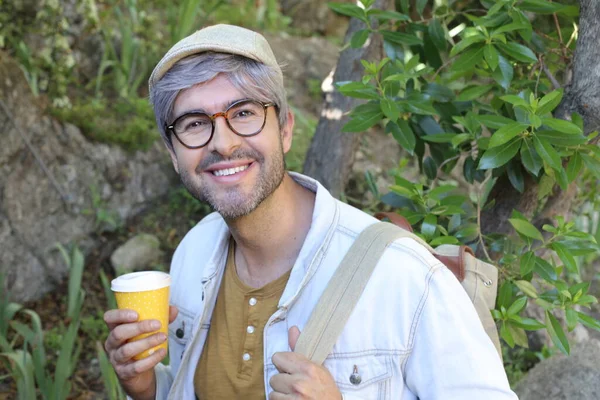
column 452, row 356
column 164, row 380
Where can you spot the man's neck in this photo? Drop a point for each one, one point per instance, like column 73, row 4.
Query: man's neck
column 269, row 239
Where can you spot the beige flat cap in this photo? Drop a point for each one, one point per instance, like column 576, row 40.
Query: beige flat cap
column 219, row 38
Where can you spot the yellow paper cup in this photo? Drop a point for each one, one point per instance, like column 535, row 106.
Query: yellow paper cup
column 147, row 293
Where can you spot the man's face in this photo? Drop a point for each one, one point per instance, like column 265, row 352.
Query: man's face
column 233, row 174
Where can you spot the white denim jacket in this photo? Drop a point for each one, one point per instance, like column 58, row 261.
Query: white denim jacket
column 413, row 334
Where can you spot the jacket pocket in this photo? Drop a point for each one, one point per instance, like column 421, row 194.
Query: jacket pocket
column 362, row 375
column 180, row 332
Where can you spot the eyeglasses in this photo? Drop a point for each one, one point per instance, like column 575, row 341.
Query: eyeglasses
column 245, row 118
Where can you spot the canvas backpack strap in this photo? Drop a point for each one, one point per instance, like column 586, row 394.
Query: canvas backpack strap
column 343, row 291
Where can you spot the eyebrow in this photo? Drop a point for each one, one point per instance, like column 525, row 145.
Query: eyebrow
column 203, row 111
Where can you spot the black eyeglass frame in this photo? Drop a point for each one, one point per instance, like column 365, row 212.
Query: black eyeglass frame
column 213, row 117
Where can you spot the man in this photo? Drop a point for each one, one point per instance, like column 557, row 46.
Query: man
column 246, row 279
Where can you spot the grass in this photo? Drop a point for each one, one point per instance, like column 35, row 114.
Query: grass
column 128, row 123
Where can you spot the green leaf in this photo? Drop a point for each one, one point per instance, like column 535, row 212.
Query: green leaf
column 530, row 158
column 518, row 52
column 474, row 92
column 491, row 56
column 466, row 43
column 574, row 166
column 518, row 334
column 517, row 306
column 437, row 34
column 421, row 4
column 549, row 102
column 430, row 167
column 545, row 270
column 401, row 38
column 505, row 294
column 402, row 132
column 547, row 152
column 493, row 121
column 566, row 257
column 556, row 333
column 357, row 90
column 589, row 321
column 591, row 163
column 529, row 324
column 390, row 109
column 439, row 138
column 468, row 60
column 500, row 155
column 387, row 15
column 526, row 287
column 515, row 100
column 350, row 10
column 572, row 319
column 515, row 176
column 507, row 335
column 504, row 74
column 526, row 228
column 438, row 92
column 561, row 139
column 437, row 192
column 429, row 226
column 506, row 134
column 562, row 126
column 541, row 6
column 359, row 38
column 362, row 121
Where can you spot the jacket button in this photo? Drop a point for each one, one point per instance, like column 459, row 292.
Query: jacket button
column 355, row 378
column 179, row 333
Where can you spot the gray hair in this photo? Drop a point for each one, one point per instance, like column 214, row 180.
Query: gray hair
column 255, row 80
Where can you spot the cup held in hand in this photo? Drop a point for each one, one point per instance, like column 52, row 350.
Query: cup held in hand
column 147, row 293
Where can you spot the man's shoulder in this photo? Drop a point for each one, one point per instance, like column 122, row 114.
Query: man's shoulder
column 403, row 255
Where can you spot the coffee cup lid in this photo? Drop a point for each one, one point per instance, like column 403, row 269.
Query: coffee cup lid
column 141, row 281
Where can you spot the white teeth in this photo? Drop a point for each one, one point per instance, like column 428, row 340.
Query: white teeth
column 229, row 171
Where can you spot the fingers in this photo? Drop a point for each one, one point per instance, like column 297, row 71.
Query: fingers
column 173, row 311
column 293, row 335
column 282, row 383
column 135, row 368
column 122, row 333
column 112, row 318
column 126, row 352
column 279, row 396
column 288, row 362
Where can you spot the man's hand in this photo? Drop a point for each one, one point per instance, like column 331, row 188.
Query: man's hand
column 136, row 377
column 299, row 378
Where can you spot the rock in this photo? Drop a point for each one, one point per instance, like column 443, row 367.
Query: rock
column 139, row 252
column 40, row 208
column 576, row 377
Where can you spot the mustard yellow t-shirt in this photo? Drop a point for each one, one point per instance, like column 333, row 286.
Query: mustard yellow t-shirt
column 231, row 365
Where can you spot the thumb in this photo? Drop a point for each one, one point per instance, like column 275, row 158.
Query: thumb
column 293, row 335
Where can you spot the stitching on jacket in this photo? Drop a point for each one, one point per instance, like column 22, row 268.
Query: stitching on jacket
column 418, row 313
column 370, row 352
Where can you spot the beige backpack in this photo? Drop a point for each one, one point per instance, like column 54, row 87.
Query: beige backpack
column 479, row 279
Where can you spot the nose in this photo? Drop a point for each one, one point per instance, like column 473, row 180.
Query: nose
column 224, row 141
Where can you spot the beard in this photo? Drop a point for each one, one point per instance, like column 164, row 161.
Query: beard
column 232, row 203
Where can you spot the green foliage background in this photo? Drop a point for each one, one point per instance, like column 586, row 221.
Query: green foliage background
column 466, row 89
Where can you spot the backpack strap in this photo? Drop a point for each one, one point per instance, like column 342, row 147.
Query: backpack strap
column 343, row 291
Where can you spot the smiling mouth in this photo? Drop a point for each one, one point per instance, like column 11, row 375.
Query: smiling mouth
column 229, row 171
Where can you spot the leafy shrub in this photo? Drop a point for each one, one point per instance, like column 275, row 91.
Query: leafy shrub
column 468, row 91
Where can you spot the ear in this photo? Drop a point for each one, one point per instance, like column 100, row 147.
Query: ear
column 287, row 132
column 173, row 157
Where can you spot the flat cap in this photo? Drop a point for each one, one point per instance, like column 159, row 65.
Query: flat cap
column 220, row 38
